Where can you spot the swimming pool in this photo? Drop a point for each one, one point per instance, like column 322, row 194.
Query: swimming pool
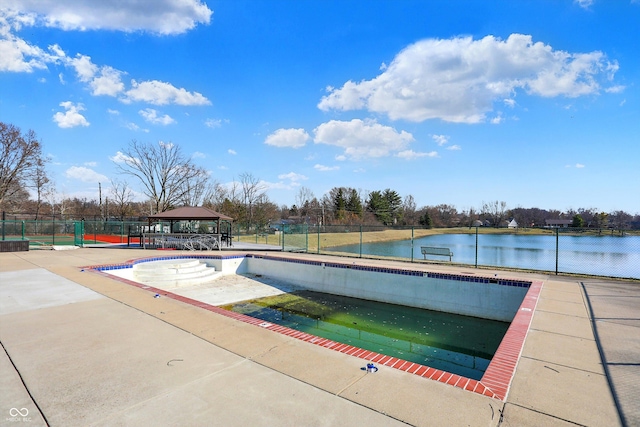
column 496, row 298
column 458, row 344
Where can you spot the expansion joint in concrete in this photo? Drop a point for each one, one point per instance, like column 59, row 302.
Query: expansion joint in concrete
column 24, row 384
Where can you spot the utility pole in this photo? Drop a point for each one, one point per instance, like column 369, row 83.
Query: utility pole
column 100, row 198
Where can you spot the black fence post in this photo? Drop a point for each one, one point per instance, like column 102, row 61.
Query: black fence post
column 412, row 228
column 557, row 238
column 476, row 246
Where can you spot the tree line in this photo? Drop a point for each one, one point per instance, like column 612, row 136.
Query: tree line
column 168, row 179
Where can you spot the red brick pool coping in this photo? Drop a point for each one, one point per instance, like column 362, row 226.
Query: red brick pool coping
column 494, row 383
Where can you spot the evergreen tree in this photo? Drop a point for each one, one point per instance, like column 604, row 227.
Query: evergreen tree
column 578, row 222
column 379, row 206
column 394, row 205
column 354, row 205
column 340, row 204
column 425, row 220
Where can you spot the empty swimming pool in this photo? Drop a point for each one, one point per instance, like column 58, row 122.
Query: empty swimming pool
column 500, row 299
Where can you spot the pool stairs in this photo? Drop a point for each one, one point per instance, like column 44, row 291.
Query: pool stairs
column 175, row 272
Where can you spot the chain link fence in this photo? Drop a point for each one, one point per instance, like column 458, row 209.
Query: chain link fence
column 65, row 232
column 597, row 252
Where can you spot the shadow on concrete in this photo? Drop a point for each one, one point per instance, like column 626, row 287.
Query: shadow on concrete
column 614, row 310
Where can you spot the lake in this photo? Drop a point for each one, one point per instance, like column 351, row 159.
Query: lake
column 613, row 256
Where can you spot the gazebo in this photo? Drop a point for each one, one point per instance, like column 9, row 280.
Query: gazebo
column 205, row 229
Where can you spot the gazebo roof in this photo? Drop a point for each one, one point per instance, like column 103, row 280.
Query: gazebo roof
column 191, row 213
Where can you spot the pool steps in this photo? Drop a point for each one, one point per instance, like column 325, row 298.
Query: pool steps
column 177, row 272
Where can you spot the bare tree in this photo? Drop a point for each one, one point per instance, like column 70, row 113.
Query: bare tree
column 42, row 187
column 496, row 210
column 409, row 210
column 264, row 211
column 20, row 159
column 214, row 196
column 195, row 190
column 164, row 172
column 252, row 191
column 619, row 219
column 122, row 197
column 303, row 198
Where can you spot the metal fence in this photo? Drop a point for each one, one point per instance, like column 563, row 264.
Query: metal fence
column 598, row 252
column 66, row 232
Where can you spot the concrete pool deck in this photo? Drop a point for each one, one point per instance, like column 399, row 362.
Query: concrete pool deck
column 83, row 349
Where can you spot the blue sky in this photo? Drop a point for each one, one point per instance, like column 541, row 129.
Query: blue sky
column 535, row 103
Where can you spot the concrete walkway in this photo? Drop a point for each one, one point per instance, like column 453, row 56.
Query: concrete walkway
column 616, row 322
column 82, row 349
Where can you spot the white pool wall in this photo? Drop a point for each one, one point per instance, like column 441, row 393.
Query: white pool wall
column 495, row 301
column 478, row 296
column 228, row 265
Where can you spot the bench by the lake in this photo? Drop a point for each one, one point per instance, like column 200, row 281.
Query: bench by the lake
column 428, row 250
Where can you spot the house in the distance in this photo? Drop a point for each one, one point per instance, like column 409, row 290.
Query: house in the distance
column 557, row 223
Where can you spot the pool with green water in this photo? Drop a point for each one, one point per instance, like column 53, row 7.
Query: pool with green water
column 458, row 344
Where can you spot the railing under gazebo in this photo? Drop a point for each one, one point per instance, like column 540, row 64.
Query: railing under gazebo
column 183, row 241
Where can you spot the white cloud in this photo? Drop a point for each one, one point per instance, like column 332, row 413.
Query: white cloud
column 91, row 164
column 292, row 176
column 16, row 55
column 362, row 139
column 411, row 155
column 121, row 158
column 459, row 79
column 158, row 16
column 292, row 138
column 509, row 102
column 280, row 185
column 198, row 155
column 454, row 148
column 579, row 165
column 84, row 174
column 108, row 83
column 84, row 67
column 323, row 168
column 215, row 123
column 497, row 119
column 151, row 115
column 232, row 152
column 160, row 93
column 585, row 4
column 135, row 127
column 440, row 139
column 615, row 89
column 71, row 117
column 113, row 112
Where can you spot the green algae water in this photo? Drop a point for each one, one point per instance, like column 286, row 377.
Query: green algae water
column 458, row 344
